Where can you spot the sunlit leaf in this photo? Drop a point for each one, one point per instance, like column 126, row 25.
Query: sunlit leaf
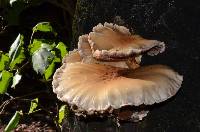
column 30, row 2
column 14, row 46
column 5, row 79
column 62, row 48
column 49, row 71
column 34, row 46
column 4, row 61
column 14, row 121
column 12, row 1
column 34, row 104
column 51, row 68
column 44, row 27
column 41, row 59
column 16, row 52
column 38, row 43
column 16, row 79
column 62, row 112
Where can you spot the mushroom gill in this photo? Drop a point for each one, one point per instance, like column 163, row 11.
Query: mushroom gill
column 113, row 42
column 97, row 87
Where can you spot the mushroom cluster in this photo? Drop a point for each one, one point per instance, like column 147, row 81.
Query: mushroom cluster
column 104, row 75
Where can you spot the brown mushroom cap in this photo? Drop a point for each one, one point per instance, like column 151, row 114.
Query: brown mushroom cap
column 113, row 42
column 85, row 52
column 96, row 87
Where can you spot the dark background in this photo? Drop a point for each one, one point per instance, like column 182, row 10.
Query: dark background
column 177, row 23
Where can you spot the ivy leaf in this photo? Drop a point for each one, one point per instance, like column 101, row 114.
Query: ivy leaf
column 44, row 27
column 41, row 59
column 35, row 46
column 4, row 61
column 12, row 1
column 62, row 112
column 34, row 104
column 30, row 2
column 14, row 121
column 16, row 52
column 16, row 79
column 49, row 71
column 62, row 48
column 38, row 43
column 51, row 68
column 5, row 78
column 14, row 46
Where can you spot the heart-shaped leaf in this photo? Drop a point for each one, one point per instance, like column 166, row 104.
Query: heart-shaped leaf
column 14, row 121
column 16, row 52
column 44, row 27
column 4, row 61
column 41, row 59
column 5, row 79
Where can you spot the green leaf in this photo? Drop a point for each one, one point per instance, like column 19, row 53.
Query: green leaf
column 5, row 78
column 16, row 52
column 14, row 46
column 41, row 59
column 62, row 112
column 44, row 27
column 12, row 1
column 14, row 121
column 38, row 43
column 51, row 68
column 49, row 71
column 62, row 48
column 16, row 79
column 35, row 46
column 4, row 61
column 34, row 104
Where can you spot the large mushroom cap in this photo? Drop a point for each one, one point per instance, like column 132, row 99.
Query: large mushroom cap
column 113, row 42
column 96, row 87
column 73, row 56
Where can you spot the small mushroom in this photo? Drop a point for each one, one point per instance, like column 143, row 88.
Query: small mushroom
column 85, row 52
column 113, row 42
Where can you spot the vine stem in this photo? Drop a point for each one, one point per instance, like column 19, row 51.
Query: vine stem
column 5, row 103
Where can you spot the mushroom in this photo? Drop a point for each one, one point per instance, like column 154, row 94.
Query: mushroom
column 103, row 75
column 85, row 52
column 113, row 42
column 97, row 87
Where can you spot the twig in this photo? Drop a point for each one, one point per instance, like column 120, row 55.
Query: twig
column 23, row 66
column 9, row 95
column 5, row 103
column 31, row 37
column 57, row 117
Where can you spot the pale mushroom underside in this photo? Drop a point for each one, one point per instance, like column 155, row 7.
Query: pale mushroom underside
column 113, row 42
column 97, row 87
